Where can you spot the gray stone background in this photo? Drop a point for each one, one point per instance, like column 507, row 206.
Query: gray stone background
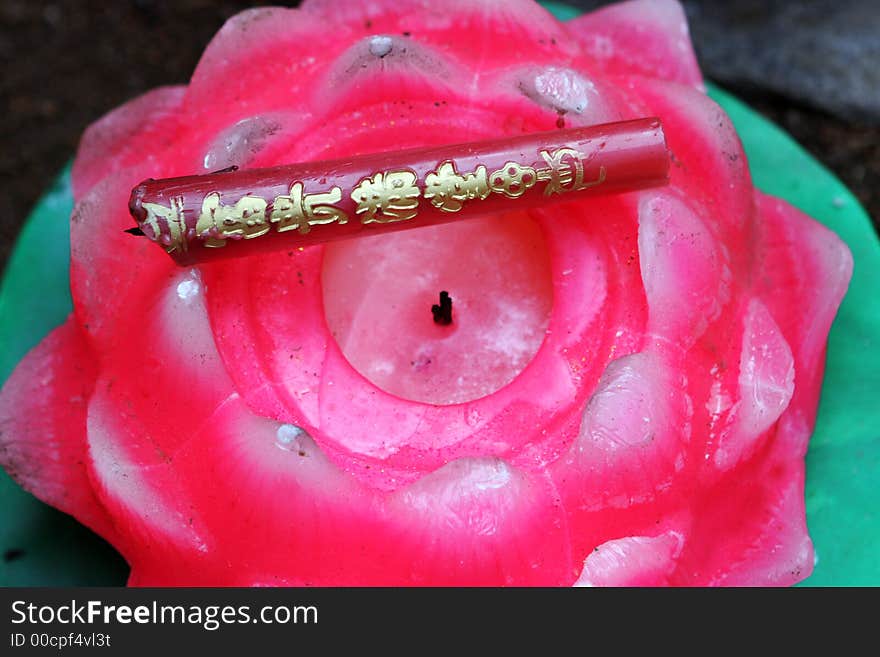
column 812, row 66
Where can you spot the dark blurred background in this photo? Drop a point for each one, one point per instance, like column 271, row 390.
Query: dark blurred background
column 811, row 66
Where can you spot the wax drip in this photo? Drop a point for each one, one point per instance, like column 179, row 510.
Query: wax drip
column 443, row 312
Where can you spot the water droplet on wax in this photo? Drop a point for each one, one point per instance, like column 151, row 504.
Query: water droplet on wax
column 562, row 89
column 292, row 438
column 381, row 45
column 188, row 289
column 238, row 144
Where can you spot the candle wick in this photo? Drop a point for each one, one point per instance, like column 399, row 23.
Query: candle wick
column 443, row 311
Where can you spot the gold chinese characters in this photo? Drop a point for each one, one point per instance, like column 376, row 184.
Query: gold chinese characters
column 566, row 176
column 448, row 190
column 300, row 212
column 387, row 197
column 379, row 198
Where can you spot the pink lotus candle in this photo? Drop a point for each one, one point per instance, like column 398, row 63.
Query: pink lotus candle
column 624, row 395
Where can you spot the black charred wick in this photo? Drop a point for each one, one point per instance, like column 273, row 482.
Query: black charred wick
column 135, row 231
column 443, row 312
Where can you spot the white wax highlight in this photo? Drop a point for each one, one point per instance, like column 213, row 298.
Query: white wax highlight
column 378, row 293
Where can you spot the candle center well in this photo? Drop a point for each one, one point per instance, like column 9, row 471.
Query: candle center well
column 379, row 292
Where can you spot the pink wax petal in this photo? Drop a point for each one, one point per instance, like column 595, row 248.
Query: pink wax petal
column 168, row 377
column 482, row 522
column 128, row 134
column 805, row 270
column 685, row 273
column 376, row 68
column 708, row 163
column 629, row 457
column 145, row 497
column 112, row 273
column 301, row 517
column 43, row 431
column 753, row 532
column 257, row 52
column 494, row 32
column 765, row 386
column 632, row 561
column 309, row 522
column 648, row 37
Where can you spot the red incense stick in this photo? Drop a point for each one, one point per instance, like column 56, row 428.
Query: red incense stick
column 232, row 213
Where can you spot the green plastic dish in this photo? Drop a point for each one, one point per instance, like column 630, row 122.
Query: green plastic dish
column 43, row 547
